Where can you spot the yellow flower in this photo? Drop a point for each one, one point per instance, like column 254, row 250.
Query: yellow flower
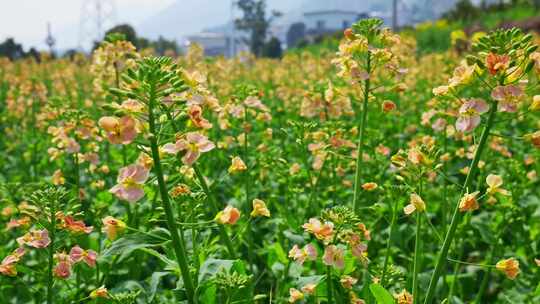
column 535, row 105
column 440, row 91
column 229, row 216
column 468, row 202
column 99, row 293
column 58, row 178
column 416, row 203
column 495, row 182
column 309, row 288
column 237, row 165
column 404, row 297
column 259, row 209
column 510, row 267
column 295, row 295
column 347, row 281
column 370, row 186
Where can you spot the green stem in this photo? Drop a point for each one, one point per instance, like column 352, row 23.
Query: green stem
column 329, row 283
column 52, row 236
column 417, row 252
column 249, row 232
column 222, row 232
column 456, row 217
column 173, row 228
column 360, row 147
column 388, row 242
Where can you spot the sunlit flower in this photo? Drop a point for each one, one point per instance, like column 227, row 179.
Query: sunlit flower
column 334, row 256
column 535, row 105
column 194, row 144
column 58, row 178
column 254, row 102
column 195, row 114
column 101, row 292
column 179, row 190
column 237, row 165
column 534, row 138
column 370, row 186
column 415, row 204
column 497, row 63
column 35, row 238
column 367, row 234
column 77, row 254
column 309, row 252
column 113, row 227
column 119, row 130
column 494, row 183
column 404, row 297
column 62, row 270
column 229, row 215
column 462, row 75
column 510, row 267
column 294, row 169
column 8, row 267
column 469, row 114
column 72, row 225
column 320, row 230
column 355, row 299
column 508, row 96
column 309, row 288
column 441, row 90
column 130, row 181
column 259, row 208
column 295, row 295
column 388, row 106
column 347, row 281
column 468, row 202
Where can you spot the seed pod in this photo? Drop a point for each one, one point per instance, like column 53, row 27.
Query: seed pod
column 529, row 67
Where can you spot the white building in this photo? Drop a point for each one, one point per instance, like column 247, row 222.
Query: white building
column 214, row 44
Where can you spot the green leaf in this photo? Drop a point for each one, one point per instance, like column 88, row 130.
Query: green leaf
column 127, row 244
column 171, row 264
column 381, row 295
column 278, row 253
column 154, row 283
column 212, row 266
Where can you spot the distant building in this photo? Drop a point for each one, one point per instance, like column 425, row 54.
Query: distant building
column 214, row 44
column 329, row 21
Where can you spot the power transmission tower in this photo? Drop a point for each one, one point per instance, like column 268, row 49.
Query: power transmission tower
column 96, row 17
column 50, row 41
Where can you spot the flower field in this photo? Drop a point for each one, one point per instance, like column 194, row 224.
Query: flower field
column 364, row 173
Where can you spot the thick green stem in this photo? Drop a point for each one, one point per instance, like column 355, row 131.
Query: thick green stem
column 388, row 242
column 179, row 249
column 222, row 232
column 330, row 285
column 249, row 232
column 360, row 144
column 456, row 217
column 417, row 252
column 52, row 236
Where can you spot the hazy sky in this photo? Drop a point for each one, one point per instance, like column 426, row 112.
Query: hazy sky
column 26, row 20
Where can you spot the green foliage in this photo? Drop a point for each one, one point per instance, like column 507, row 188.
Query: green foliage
column 382, row 296
column 255, row 22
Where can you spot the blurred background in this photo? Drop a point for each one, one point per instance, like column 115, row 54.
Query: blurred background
column 227, row 27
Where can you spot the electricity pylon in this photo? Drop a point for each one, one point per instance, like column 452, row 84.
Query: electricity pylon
column 96, row 17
